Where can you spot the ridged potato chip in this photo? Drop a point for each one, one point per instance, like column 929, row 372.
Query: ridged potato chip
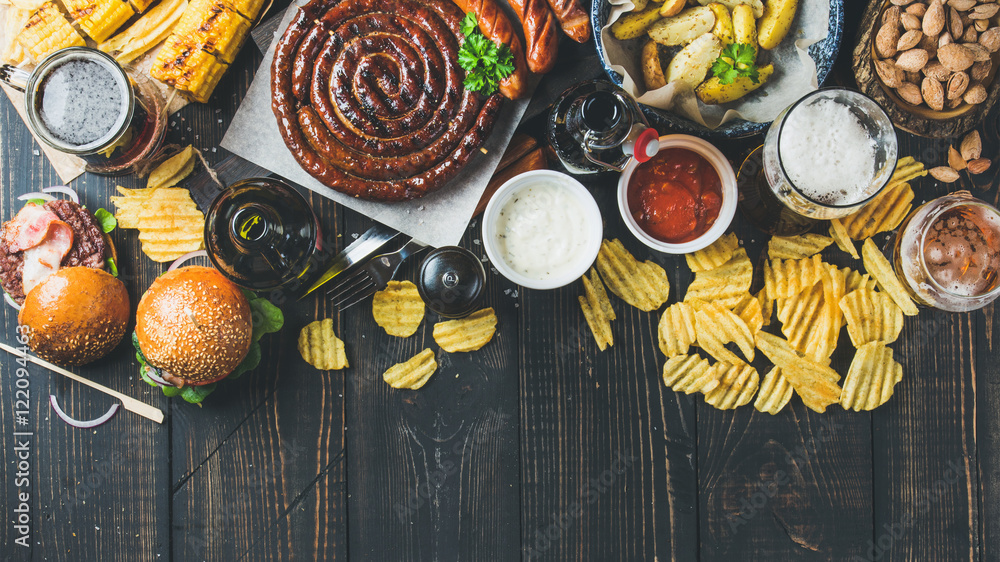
column 785, row 278
column 414, row 373
column 839, row 234
column 737, row 385
column 466, row 334
column 725, row 284
column 749, row 310
column 398, row 309
column 800, row 315
column 320, row 347
column 716, row 254
column 797, row 247
column 907, row 168
column 689, row 374
column 643, row 285
column 871, row 316
column 882, row 271
column 676, row 329
column 170, row 224
column 716, row 326
column 854, row 280
column 766, row 305
column 173, row 169
column 597, row 309
column 881, row 214
column 871, row 378
column 813, row 381
column 775, row 392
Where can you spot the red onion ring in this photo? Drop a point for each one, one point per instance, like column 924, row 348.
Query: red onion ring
column 156, row 378
column 186, row 257
column 11, row 301
column 77, row 423
column 36, row 195
column 65, row 190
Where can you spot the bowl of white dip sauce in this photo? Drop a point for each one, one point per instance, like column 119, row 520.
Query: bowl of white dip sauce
column 542, row 229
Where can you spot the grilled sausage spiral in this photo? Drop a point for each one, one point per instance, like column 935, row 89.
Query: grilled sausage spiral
column 369, row 97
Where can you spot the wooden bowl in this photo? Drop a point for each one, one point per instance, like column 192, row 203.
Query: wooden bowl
column 919, row 120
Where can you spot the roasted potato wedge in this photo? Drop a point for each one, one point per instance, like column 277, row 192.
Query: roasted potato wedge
column 671, row 7
column 775, row 23
column 745, row 27
column 712, row 92
column 757, row 5
column 723, row 23
column 634, row 24
column 695, row 60
column 652, row 68
column 683, row 28
column 640, row 5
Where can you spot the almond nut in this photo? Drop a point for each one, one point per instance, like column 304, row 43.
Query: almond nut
column 886, row 40
column 990, row 39
column 890, row 75
column 979, row 53
column 955, row 57
column 957, row 84
column 955, row 159
column 918, row 9
column 975, row 94
column 944, row 173
column 955, row 22
column 933, row 22
column 982, row 25
column 909, row 21
column 937, row 71
column 984, row 11
column 979, row 165
column 915, row 59
column 909, row 40
column 944, row 39
column 970, row 35
column 962, row 5
column 910, row 93
column 891, row 15
column 981, row 70
column 933, row 93
column 972, row 146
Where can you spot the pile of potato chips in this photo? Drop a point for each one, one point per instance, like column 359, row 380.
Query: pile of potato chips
column 813, row 300
column 399, row 310
column 170, row 224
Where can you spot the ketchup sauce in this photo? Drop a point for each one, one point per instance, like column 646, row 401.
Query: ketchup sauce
column 676, row 196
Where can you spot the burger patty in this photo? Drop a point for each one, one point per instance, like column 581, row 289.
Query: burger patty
column 88, row 249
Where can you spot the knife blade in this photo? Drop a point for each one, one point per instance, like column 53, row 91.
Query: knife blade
column 364, row 247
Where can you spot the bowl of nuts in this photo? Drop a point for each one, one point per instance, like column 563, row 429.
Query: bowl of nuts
column 931, row 63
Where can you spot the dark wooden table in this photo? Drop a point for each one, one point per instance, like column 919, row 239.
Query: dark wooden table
column 537, row 447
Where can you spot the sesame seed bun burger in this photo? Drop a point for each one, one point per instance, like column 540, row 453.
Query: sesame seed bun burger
column 193, row 327
column 75, row 315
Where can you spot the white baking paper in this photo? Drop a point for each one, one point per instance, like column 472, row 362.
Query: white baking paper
column 438, row 219
column 794, row 75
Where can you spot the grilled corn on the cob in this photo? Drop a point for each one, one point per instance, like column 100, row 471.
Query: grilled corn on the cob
column 183, row 64
column 102, row 18
column 216, row 26
column 46, row 31
column 151, row 29
column 141, row 5
column 249, row 9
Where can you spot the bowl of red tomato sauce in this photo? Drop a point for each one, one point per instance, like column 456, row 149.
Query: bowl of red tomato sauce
column 680, row 200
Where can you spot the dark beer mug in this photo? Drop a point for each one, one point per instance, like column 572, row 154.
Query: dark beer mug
column 80, row 101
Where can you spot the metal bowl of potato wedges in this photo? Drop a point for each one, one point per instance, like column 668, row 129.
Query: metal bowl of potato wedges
column 823, row 52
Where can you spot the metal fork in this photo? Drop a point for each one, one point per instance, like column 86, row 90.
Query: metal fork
column 371, row 277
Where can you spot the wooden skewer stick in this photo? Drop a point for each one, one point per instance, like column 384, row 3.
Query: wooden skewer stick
column 130, row 404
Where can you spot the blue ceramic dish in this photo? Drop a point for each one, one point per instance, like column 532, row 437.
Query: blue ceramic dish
column 824, row 53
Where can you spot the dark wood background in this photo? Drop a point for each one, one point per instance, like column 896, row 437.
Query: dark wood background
column 537, row 447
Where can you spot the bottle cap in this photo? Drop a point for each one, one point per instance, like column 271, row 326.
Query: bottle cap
column 451, row 281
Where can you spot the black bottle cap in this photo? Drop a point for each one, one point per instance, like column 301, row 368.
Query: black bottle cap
column 451, row 281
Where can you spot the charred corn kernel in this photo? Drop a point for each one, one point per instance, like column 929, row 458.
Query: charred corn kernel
column 78, row 9
column 46, row 31
column 105, row 18
column 183, row 64
column 217, row 27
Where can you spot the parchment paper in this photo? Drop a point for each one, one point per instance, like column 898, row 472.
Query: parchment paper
column 438, row 219
column 67, row 166
column 794, row 71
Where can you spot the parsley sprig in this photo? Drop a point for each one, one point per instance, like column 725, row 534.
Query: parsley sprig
column 737, row 59
column 485, row 62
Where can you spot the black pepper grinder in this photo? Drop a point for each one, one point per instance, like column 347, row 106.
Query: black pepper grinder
column 451, row 281
column 596, row 126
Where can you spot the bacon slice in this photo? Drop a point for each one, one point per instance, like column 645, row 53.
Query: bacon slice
column 43, row 259
column 28, row 228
